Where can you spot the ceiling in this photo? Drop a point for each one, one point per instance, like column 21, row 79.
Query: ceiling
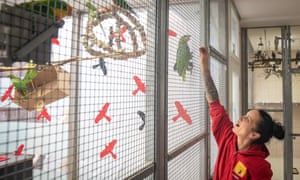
column 255, row 13
column 272, row 14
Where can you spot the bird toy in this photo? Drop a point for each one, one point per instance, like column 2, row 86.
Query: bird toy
column 114, row 45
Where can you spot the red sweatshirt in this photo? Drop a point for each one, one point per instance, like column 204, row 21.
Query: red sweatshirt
column 232, row 164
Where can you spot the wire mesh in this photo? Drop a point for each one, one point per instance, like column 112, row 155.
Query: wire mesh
column 194, row 169
column 218, row 71
column 84, row 107
column 186, row 103
column 218, row 25
column 88, row 109
column 184, row 93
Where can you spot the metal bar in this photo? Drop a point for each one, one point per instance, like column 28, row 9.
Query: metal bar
column 171, row 2
column 244, row 73
column 227, row 54
column 296, row 71
column 271, row 110
column 207, row 120
column 150, row 82
column 217, row 55
column 274, row 110
column 73, row 160
column 207, row 144
column 287, row 104
column 142, row 173
column 295, row 134
column 35, row 42
column 161, row 79
column 186, row 146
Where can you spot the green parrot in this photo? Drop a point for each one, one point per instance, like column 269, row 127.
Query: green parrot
column 183, row 57
column 53, row 9
column 21, row 84
column 124, row 4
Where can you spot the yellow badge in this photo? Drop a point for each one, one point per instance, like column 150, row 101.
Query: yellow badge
column 240, row 169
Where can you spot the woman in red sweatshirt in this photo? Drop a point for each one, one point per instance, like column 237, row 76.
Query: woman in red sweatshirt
column 241, row 147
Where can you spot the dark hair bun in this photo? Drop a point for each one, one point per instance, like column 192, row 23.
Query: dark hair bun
column 278, row 130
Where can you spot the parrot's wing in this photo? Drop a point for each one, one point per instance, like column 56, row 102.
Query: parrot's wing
column 17, row 82
column 30, row 74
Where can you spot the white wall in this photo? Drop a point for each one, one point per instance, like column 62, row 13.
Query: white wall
column 270, row 90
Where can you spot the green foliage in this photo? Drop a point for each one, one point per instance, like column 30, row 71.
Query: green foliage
column 21, row 84
column 47, row 8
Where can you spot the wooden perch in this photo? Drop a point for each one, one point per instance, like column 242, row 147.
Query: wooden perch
column 60, row 62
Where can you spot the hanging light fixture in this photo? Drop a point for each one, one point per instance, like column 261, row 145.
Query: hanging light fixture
column 261, row 49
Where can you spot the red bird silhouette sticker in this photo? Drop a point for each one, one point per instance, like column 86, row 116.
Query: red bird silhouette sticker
column 55, row 41
column 140, row 85
column 18, row 152
column 102, row 114
column 123, row 30
column 7, row 94
column 44, row 114
column 182, row 113
column 108, row 150
column 4, row 158
column 172, row 33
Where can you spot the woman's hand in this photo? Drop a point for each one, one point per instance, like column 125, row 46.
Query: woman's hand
column 204, row 59
column 210, row 88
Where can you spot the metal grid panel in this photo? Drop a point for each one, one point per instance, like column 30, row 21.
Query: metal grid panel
column 118, row 89
column 218, row 71
column 295, row 86
column 194, row 169
column 104, row 127
column 296, row 103
column 184, row 94
column 151, row 177
column 295, row 65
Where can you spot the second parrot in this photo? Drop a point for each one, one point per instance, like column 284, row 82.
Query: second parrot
column 53, row 9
